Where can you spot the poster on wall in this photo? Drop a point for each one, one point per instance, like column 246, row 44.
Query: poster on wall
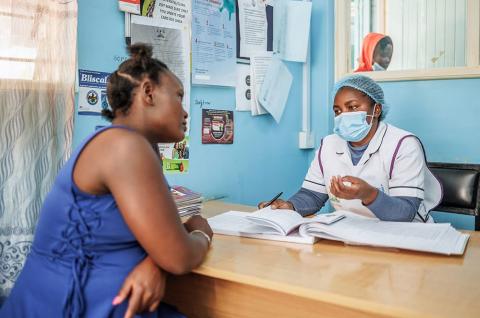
column 259, row 65
column 176, row 12
column 92, row 92
column 147, row 7
column 254, row 28
column 176, row 156
column 217, row 126
column 292, row 29
column 171, row 13
column 172, row 47
column 213, row 43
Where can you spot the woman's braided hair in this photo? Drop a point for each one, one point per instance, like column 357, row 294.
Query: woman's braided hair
column 129, row 75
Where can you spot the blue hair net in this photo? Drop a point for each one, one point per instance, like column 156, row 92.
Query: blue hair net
column 365, row 85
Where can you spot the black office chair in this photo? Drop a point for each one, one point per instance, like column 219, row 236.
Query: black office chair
column 461, row 191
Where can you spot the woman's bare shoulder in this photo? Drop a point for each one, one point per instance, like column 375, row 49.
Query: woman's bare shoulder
column 118, row 140
column 121, row 148
column 108, row 155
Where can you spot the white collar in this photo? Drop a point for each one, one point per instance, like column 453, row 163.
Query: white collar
column 341, row 146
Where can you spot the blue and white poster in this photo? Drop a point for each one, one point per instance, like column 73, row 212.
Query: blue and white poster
column 213, row 42
column 92, row 92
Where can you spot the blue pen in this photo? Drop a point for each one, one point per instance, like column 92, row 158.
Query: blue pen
column 274, row 198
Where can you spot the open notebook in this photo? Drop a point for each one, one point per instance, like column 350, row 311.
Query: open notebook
column 287, row 225
column 268, row 224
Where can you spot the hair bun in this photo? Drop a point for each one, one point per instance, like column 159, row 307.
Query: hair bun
column 140, row 51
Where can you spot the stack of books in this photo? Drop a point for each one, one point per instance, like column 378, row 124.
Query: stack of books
column 188, row 202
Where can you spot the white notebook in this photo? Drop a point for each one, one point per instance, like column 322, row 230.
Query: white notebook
column 439, row 238
column 267, row 224
column 286, row 225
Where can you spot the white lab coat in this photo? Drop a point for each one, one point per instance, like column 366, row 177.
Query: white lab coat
column 394, row 162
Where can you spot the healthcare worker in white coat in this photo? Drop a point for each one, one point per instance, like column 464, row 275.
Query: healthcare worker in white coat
column 367, row 166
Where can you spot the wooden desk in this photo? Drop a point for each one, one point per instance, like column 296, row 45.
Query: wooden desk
column 244, row 277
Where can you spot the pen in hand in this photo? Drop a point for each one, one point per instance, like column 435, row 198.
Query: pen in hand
column 273, row 200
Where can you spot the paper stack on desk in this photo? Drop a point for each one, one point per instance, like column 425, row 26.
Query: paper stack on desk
column 287, row 225
column 188, row 202
column 439, row 238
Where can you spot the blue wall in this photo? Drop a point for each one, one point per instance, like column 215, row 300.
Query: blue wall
column 322, row 66
column 264, row 158
column 100, row 48
column 445, row 114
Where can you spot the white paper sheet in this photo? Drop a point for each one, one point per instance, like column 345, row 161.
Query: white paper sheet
column 213, row 44
column 175, row 14
column 426, row 237
column 253, row 27
column 171, row 46
column 279, row 18
column 274, row 91
column 259, row 64
column 291, row 36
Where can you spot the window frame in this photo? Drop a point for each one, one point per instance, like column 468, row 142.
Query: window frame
column 471, row 70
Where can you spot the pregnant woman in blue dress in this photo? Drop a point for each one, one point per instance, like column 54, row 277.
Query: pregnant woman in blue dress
column 110, row 215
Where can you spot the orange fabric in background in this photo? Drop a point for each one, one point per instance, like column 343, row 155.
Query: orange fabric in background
column 368, row 46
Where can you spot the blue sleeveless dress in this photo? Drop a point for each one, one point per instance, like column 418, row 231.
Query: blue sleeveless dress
column 81, row 254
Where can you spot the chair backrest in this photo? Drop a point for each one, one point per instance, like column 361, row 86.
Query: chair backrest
column 461, row 191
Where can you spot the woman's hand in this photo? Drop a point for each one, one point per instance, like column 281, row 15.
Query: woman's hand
column 197, row 222
column 144, row 286
column 350, row 188
column 277, row 204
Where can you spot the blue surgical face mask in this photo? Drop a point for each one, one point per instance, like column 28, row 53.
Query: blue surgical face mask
column 352, row 126
column 378, row 67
